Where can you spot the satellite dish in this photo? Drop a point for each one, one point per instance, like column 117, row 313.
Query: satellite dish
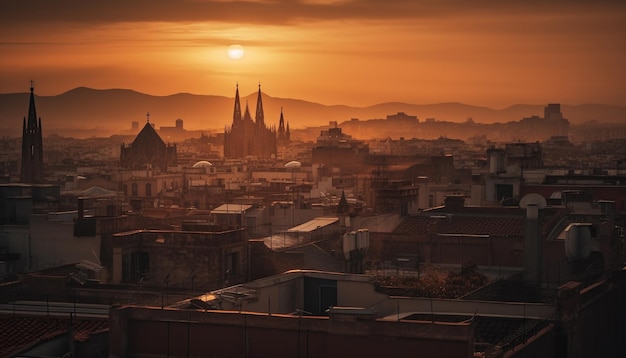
column 579, row 242
column 533, row 199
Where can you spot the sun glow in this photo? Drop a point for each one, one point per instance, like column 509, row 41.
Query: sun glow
column 235, row 51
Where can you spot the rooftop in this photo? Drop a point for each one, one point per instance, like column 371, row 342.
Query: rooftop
column 314, row 224
column 18, row 333
column 494, row 226
column 231, row 209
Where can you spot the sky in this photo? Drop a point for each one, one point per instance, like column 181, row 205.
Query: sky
column 353, row 52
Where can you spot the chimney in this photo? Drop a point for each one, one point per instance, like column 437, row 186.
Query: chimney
column 81, row 208
column 454, row 202
column 533, row 255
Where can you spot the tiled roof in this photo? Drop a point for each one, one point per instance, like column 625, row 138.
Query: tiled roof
column 494, row 226
column 18, row 333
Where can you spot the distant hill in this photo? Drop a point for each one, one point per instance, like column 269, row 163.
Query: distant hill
column 85, row 112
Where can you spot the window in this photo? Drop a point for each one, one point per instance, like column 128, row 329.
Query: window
column 148, row 189
column 134, row 189
column 504, row 191
column 232, row 264
column 136, row 266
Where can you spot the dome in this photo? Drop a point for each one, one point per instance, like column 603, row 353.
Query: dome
column 96, row 191
column 202, row 164
column 293, row 164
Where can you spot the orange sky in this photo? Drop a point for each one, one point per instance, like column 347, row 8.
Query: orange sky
column 361, row 52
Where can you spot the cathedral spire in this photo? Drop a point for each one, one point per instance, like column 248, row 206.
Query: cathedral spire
column 281, row 125
column 246, row 115
column 32, row 111
column 237, row 111
column 260, row 117
column 31, row 170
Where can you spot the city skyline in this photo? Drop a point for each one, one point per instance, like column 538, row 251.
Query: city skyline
column 355, row 53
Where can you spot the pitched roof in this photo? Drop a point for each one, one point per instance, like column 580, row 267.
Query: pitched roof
column 494, row 226
column 148, row 135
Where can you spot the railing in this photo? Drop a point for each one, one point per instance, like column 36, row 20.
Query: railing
column 59, row 309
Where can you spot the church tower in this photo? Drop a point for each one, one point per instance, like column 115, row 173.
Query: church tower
column 31, row 170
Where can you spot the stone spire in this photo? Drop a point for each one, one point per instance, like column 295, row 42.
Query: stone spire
column 246, row 115
column 237, row 110
column 32, row 111
column 259, row 117
column 31, row 170
column 281, row 125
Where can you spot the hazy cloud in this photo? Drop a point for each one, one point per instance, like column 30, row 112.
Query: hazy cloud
column 481, row 51
column 275, row 12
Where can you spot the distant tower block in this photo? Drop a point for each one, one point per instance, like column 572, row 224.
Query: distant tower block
column 31, row 170
column 135, row 126
column 552, row 112
column 179, row 123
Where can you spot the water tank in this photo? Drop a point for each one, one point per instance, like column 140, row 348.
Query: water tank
column 362, row 240
column 349, row 243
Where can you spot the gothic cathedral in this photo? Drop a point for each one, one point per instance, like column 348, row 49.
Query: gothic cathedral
column 246, row 137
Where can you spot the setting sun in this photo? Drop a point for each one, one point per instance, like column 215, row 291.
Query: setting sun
column 235, row 52
column 327, row 51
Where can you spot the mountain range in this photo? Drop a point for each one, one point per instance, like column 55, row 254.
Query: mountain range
column 85, row 112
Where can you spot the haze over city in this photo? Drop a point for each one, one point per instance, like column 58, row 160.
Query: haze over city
column 358, row 53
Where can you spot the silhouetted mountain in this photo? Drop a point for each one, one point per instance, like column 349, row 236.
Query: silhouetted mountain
column 92, row 112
